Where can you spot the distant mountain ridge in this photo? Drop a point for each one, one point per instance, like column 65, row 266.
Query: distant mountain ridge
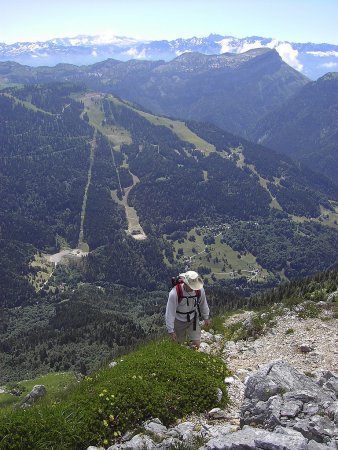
column 314, row 60
column 306, row 126
column 230, row 90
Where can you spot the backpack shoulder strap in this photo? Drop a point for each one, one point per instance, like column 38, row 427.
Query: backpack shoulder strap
column 179, row 292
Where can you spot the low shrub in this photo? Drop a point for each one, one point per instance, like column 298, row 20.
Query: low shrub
column 309, row 310
column 161, row 379
column 217, row 324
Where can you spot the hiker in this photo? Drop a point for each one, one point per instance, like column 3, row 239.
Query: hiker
column 186, row 305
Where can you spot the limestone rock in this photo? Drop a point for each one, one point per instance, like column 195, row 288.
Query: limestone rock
column 301, row 404
column 219, row 395
column 317, row 428
column 155, row 426
column 250, row 438
column 207, row 337
column 229, row 380
column 205, row 348
column 185, row 430
column 36, row 393
column 216, row 413
column 138, row 442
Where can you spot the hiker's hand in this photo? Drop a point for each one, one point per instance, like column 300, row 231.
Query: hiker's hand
column 206, row 323
column 173, row 336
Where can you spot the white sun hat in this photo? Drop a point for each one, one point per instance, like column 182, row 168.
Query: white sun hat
column 192, row 279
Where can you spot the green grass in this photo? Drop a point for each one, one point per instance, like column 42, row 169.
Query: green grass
column 93, row 107
column 177, row 126
column 181, row 130
column 42, row 270
column 162, row 379
column 217, row 324
column 223, row 262
column 327, row 218
column 7, row 400
column 309, row 311
column 54, row 383
column 27, row 104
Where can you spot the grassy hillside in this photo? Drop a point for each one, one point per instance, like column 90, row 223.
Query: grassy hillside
column 154, row 381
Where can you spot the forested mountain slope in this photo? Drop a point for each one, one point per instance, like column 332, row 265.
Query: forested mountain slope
column 79, row 169
column 66, row 168
column 230, row 90
column 306, row 127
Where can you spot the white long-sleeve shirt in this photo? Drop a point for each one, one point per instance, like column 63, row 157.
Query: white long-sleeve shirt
column 185, row 305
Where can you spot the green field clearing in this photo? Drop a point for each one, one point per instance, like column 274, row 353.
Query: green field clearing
column 182, row 131
column 178, row 127
column 42, row 270
column 262, row 181
column 327, row 217
column 223, row 262
column 53, row 382
column 93, row 107
column 4, row 85
column 118, row 135
column 26, row 104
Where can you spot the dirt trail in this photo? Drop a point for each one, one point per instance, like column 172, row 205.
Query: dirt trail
column 134, row 227
column 84, row 203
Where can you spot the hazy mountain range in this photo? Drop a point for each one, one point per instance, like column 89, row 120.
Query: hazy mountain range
column 232, row 91
column 306, row 126
column 313, row 60
column 254, row 94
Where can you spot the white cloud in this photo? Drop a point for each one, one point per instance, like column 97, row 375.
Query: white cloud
column 329, row 65
column 132, row 52
column 289, row 55
column 110, row 38
column 226, row 45
column 135, row 54
column 94, row 53
column 285, row 50
column 76, row 41
column 273, row 43
column 249, row 46
column 179, row 52
column 323, row 54
column 40, row 55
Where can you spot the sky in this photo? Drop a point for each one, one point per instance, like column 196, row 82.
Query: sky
column 291, row 20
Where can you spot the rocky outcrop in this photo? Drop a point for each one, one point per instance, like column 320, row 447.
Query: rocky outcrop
column 276, row 407
column 283, row 409
column 278, row 395
column 38, row 391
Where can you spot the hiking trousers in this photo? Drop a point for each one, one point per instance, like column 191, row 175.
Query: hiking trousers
column 185, row 331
